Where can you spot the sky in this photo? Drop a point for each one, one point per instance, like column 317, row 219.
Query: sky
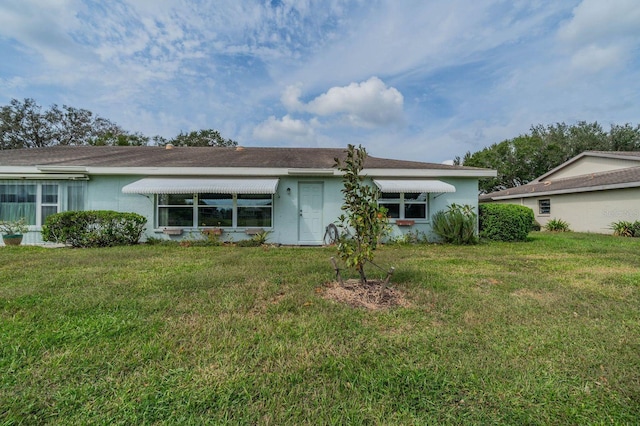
column 421, row 80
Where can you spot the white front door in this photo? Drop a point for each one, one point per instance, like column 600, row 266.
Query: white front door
column 310, row 229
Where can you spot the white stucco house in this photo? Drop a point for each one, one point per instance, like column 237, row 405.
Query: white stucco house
column 590, row 192
column 294, row 193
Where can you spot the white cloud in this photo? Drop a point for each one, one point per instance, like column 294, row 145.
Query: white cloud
column 42, row 28
column 283, row 130
column 291, row 98
column 595, row 58
column 597, row 20
column 367, row 104
column 602, row 34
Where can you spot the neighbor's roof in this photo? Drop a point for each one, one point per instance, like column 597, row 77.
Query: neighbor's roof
column 202, row 157
column 615, row 179
column 621, row 155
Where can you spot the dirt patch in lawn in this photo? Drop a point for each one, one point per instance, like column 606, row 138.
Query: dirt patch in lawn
column 373, row 295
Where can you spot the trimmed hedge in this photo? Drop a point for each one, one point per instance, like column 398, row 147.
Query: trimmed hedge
column 94, row 228
column 505, row 222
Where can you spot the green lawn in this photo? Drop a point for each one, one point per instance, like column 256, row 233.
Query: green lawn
column 543, row 332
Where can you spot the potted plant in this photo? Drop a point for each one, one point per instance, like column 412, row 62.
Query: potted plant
column 12, row 231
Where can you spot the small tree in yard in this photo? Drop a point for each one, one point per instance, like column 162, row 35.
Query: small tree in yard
column 363, row 222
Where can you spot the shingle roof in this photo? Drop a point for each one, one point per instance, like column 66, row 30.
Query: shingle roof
column 622, row 155
column 149, row 156
column 627, row 177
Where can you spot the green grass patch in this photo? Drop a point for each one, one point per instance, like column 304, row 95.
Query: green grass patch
column 540, row 332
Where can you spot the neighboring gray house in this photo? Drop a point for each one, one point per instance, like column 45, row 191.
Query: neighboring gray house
column 294, row 193
column 590, row 191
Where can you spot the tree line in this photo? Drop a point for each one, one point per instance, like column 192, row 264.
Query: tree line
column 25, row 124
column 523, row 158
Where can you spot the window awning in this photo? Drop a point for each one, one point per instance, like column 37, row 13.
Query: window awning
column 201, row 185
column 408, row 185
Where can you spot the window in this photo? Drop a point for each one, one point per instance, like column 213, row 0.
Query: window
column 18, row 200
column 175, row 210
column 544, row 206
column 255, row 210
column 48, row 200
column 405, row 205
column 35, row 201
column 219, row 210
column 215, row 210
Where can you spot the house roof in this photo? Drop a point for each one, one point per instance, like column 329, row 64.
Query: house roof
column 146, row 157
column 622, row 178
column 621, row 155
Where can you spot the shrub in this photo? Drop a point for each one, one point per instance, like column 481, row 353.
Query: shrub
column 624, row 228
column 411, row 237
column 456, row 225
column 256, row 240
column 505, row 222
column 94, row 228
column 557, row 225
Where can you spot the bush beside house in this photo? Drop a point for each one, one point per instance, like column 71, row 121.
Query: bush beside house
column 94, row 228
column 456, row 225
column 505, row 222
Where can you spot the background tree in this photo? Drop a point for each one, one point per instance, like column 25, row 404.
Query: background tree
column 24, row 124
column 364, row 222
column 207, row 137
column 523, row 158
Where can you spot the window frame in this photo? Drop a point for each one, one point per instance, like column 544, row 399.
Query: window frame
column 61, row 194
column 235, row 208
column 40, row 216
column 544, row 207
column 402, row 201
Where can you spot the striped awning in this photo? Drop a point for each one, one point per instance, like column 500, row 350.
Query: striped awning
column 414, row 185
column 201, row 185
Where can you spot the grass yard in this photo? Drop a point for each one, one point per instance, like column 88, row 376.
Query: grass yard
column 543, row 332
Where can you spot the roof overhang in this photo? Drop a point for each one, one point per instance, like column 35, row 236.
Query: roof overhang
column 414, row 185
column 565, row 191
column 429, row 173
column 43, row 176
column 62, row 169
column 168, row 185
column 311, row 172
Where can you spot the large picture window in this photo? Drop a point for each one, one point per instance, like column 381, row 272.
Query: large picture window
column 405, row 205
column 35, row 201
column 215, row 210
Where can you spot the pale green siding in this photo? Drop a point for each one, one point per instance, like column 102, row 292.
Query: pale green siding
column 105, row 193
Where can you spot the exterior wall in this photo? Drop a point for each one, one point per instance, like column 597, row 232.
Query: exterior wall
column 105, row 193
column 588, row 211
column 588, row 164
column 466, row 193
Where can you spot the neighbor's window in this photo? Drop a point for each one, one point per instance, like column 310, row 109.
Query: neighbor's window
column 544, row 206
column 405, row 205
column 36, row 200
column 213, row 210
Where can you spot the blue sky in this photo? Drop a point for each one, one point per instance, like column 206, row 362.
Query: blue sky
column 421, row 80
